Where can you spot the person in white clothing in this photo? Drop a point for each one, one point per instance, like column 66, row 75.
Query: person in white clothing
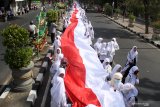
column 32, row 29
column 133, row 76
column 132, row 59
column 103, row 52
column 53, row 31
column 117, row 68
column 116, row 81
column 111, row 48
column 107, row 66
column 97, row 45
column 57, row 62
column 58, row 95
column 130, row 94
column 116, row 46
column 58, row 55
column 57, row 43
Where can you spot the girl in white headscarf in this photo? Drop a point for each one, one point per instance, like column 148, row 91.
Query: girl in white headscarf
column 117, row 68
column 132, row 59
column 111, row 48
column 116, row 81
column 103, row 52
column 107, row 66
column 130, row 94
column 58, row 96
column 97, row 45
column 57, row 43
column 57, row 61
column 133, row 76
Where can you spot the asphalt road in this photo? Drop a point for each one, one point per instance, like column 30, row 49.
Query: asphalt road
column 23, row 20
column 148, row 59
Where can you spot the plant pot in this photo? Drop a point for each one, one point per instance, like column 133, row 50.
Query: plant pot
column 156, row 35
column 131, row 23
column 116, row 16
column 22, row 78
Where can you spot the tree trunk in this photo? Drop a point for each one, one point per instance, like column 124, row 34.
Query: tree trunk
column 29, row 4
column 146, row 20
column 146, row 9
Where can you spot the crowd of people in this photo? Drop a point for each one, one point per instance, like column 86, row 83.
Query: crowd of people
column 122, row 79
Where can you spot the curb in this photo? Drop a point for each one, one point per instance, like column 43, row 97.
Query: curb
column 39, row 79
column 138, row 34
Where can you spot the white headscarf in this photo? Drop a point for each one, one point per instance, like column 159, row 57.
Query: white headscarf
column 103, row 48
column 115, row 69
column 58, row 96
column 111, row 48
column 133, row 69
column 57, row 42
column 107, row 67
column 104, row 62
column 132, row 54
column 117, row 76
column 97, row 45
column 129, row 92
column 132, row 78
column 58, row 57
column 116, row 46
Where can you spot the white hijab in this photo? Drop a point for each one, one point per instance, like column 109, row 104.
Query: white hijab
column 111, row 48
column 97, row 45
column 103, row 48
column 116, row 46
column 129, row 91
column 115, row 69
column 132, row 53
column 58, row 57
column 133, row 69
column 58, row 96
column 57, row 42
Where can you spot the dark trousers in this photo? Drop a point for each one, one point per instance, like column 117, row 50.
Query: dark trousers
column 52, row 37
column 127, row 72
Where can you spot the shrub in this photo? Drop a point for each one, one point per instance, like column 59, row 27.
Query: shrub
column 61, row 5
column 117, row 11
column 132, row 17
column 156, row 24
column 18, row 53
column 108, row 9
column 52, row 15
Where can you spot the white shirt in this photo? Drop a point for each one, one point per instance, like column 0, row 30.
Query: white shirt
column 53, row 28
column 32, row 28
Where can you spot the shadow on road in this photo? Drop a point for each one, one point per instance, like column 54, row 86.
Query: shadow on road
column 110, row 33
column 149, row 85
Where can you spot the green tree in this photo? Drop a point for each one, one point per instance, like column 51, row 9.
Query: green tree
column 147, row 8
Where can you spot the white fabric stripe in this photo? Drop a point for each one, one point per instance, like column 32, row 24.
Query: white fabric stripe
column 95, row 73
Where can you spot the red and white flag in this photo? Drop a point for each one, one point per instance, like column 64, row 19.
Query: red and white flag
column 85, row 76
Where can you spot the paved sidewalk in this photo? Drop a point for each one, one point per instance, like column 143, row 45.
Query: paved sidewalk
column 138, row 28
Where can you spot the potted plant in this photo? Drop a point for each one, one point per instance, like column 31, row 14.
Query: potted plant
column 18, row 56
column 116, row 14
column 52, row 15
column 131, row 20
column 156, row 30
column 108, row 9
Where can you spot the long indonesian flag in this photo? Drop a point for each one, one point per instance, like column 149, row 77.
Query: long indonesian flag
column 85, row 77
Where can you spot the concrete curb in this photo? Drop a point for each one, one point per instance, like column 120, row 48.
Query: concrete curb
column 137, row 33
column 39, row 79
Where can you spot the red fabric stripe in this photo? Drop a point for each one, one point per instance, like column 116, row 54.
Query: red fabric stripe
column 75, row 72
